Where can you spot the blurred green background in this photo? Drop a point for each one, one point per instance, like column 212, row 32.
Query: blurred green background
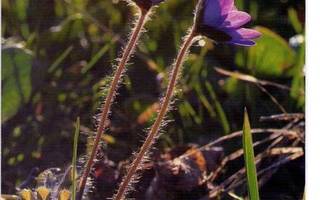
column 56, row 55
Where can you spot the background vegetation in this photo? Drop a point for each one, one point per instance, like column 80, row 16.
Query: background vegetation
column 57, row 53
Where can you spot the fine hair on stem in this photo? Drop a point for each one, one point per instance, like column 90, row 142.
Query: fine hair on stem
column 103, row 121
column 131, row 176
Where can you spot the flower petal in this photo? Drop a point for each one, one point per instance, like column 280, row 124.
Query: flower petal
column 215, row 11
column 212, row 13
column 243, row 33
column 243, row 42
column 247, row 33
column 226, row 6
column 235, row 19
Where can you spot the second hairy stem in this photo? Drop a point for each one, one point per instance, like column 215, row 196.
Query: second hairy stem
column 110, row 97
column 157, row 124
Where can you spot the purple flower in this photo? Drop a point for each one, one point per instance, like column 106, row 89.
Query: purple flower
column 147, row 4
column 221, row 21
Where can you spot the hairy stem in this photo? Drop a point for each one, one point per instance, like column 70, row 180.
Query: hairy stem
column 157, row 124
column 104, row 122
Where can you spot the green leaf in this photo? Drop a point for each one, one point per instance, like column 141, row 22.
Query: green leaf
column 203, row 99
column 252, row 181
column 271, row 56
column 74, row 159
column 234, row 87
column 218, row 107
column 298, row 82
column 293, row 18
column 60, row 59
column 15, row 79
column 96, row 58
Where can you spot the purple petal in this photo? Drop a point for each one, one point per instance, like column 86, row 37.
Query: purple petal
column 243, row 42
column 212, row 13
column 243, row 33
column 235, row 19
column 222, row 16
column 247, row 33
column 215, row 11
column 226, row 6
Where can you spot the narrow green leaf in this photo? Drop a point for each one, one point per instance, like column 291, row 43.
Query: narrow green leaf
column 95, row 58
column 204, row 101
column 294, row 19
column 219, row 110
column 59, row 60
column 252, row 181
column 298, row 81
column 74, row 159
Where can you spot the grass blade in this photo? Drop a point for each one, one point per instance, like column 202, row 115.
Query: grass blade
column 252, row 181
column 219, row 110
column 74, row 159
column 60, row 59
column 96, row 58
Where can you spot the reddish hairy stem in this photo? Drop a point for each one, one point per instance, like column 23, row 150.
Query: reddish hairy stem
column 155, row 127
column 110, row 97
